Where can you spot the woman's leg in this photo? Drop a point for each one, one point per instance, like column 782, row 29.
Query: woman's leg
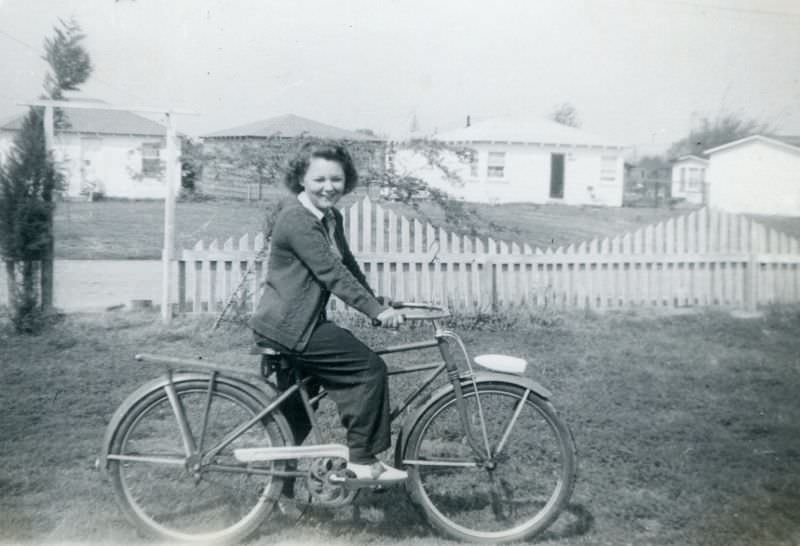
column 356, row 379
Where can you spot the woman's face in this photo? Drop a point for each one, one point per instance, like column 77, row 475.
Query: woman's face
column 324, row 182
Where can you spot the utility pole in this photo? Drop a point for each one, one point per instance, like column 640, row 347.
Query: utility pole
column 168, row 251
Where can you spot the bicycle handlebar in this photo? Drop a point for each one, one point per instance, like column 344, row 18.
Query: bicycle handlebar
column 417, row 311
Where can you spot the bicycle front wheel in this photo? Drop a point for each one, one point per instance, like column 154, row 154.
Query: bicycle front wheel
column 515, row 492
column 172, row 498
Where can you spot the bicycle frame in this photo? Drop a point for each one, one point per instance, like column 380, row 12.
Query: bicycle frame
column 194, row 450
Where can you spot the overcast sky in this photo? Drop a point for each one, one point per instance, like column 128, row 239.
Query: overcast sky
column 638, row 71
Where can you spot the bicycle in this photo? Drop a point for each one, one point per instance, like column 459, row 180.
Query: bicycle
column 203, row 453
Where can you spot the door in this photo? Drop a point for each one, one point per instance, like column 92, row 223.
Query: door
column 91, row 166
column 556, row 176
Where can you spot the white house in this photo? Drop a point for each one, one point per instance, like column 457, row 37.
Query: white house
column 537, row 161
column 111, row 152
column 757, row 174
column 689, row 178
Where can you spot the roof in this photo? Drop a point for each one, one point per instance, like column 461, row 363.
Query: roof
column 691, row 157
column 774, row 141
column 290, row 126
column 513, row 130
column 793, row 140
column 103, row 122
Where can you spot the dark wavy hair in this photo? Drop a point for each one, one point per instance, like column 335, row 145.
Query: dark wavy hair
column 332, row 151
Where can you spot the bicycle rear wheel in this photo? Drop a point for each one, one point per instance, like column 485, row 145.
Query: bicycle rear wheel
column 170, row 498
column 518, row 492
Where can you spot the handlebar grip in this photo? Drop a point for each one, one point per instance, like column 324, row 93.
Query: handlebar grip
column 376, row 322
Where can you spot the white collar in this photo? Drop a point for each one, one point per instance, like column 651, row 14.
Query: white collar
column 306, row 202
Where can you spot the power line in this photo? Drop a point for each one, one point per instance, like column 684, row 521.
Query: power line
column 26, row 44
column 725, row 8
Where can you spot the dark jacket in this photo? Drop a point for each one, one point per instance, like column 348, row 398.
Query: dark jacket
column 302, row 272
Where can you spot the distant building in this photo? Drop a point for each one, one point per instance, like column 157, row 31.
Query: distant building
column 757, row 174
column 242, row 160
column 110, row 152
column 516, row 160
column 689, row 179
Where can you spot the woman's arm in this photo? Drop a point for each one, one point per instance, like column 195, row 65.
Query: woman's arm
column 305, row 237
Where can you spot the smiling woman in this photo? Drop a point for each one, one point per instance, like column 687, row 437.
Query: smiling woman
column 309, row 261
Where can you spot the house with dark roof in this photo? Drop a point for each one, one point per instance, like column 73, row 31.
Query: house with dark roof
column 758, row 175
column 113, row 153
column 526, row 160
column 244, row 161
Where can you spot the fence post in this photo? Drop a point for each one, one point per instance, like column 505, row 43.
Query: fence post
column 751, row 284
column 181, row 285
column 492, row 271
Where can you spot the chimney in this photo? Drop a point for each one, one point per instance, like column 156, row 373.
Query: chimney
column 469, row 122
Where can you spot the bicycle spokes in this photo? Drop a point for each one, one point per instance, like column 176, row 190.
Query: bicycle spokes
column 513, row 493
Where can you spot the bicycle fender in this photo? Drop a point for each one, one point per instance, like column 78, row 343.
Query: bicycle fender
column 262, row 393
column 479, row 377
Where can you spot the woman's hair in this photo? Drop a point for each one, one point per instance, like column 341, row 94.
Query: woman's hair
column 332, row 151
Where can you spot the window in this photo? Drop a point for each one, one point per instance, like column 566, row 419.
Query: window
column 695, row 177
column 496, row 165
column 608, row 167
column 151, row 159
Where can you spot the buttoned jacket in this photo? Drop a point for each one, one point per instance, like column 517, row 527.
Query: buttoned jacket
column 302, row 272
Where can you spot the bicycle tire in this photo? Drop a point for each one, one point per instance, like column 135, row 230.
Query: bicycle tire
column 168, row 502
column 530, row 484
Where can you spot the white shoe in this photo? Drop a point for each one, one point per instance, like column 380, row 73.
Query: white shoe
column 377, row 471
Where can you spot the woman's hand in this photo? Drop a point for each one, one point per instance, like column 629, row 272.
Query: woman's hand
column 391, row 318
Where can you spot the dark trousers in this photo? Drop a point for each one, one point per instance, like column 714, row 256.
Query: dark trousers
column 355, row 379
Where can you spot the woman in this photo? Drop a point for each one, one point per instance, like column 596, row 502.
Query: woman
column 310, row 260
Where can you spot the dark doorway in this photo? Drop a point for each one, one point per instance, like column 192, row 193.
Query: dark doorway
column 556, row 176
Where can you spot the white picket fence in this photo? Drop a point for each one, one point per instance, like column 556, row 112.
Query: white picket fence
column 705, row 258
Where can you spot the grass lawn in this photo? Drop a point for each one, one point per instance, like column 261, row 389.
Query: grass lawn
column 116, row 229
column 687, row 426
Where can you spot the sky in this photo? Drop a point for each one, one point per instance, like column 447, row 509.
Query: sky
column 639, row 72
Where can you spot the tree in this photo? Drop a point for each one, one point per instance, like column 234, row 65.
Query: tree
column 710, row 133
column 29, row 181
column 68, row 60
column 566, row 114
column 441, row 158
column 191, row 164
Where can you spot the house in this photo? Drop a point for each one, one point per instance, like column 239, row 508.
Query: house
column 110, row 152
column 514, row 160
column 242, row 160
column 757, row 174
column 689, row 179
